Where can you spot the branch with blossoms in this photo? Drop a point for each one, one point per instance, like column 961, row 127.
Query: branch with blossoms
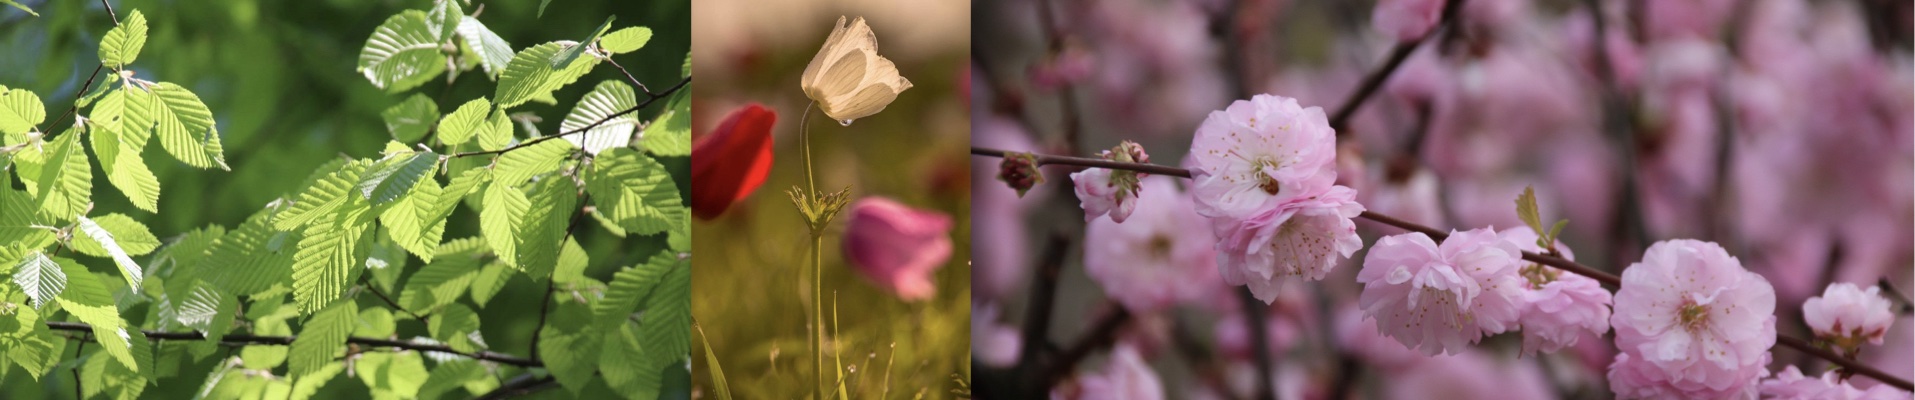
column 1846, row 362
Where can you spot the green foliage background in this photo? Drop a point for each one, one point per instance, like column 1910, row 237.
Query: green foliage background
column 279, row 78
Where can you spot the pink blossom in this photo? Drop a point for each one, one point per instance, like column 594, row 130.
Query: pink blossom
column 897, row 247
column 1847, row 314
column 1631, row 377
column 1559, row 306
column 1162, row 255
column 1790, row 384
column 1102, row 190
column 1300, row 239
column 1359, row 336
column 1689, row 319
column 1257, row 155
column 992, row 344
column 1469, row 375
column 1406, row 20
column 1126, row 377
column 1440, row 299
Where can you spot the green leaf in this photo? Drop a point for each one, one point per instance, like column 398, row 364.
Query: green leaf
column 565, row 57
column 626, row 40
column 572, row 263
column 671, row 133
column 530, row 74
column 635, row 191
column 102, row 375
column 266, row 357
column 664, row 333
column 122, row 43
column 459, row 126
column 521, row 164
column 20, row 218
column 609, row 98
column 252, row 258
column 375, row 323
column 40, row 277
column 392, row 375
column 89, row 300
column 332, row 252
column 102, row 240
column 131, row 236
column 402, row 53
column 393, row 178
column 570, row 348
column 489, row 281
column 25, row 340
column 324, row 195
column 542, row 4
column 66, row 182
column 30, row 11
column 442, row 281
column 1553, row 232
column 499, row 221
column 119, row 155
column 411, row 119
column 629, row 288
column 494, row 52
column 553, row 201
column 496, row 132
column 619, row 362
column 454, row 326
column 410, row 224
column 186, row 128
column 452, row 374
column 323, row 338
column 20, row 110
column 1526, row 209
column 444, row 19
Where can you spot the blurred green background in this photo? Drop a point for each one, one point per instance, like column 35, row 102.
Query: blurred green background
column 751, row 285
column 279, row 78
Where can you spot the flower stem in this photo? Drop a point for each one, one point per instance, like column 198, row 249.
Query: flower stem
column 817, row 262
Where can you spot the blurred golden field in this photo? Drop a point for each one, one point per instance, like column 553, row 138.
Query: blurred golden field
column 752, row 292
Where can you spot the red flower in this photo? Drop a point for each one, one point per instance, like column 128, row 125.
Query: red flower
column 729, row 163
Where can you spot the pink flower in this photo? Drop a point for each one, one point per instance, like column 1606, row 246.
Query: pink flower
column 1631, row 377
column 1406, row 20
column 1299, row 239
column 992, row 344
column 1560, row 306
column 1126, row 377
column 1161, row 256
column 1689, row 319
column 1792, row 385
column 1846, row 314
column 1469, row 375
column 897, row 247
column 1260, row 154
column 1101, row 190
column 1439, row 299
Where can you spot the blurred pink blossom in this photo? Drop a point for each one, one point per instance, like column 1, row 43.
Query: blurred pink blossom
column 1848, row 315
column 992, row 343
column 897, row 247
column 1125, row 377
column 1406, row 20
column 1161, row 256
column 1790, row 384
column 1470, row 375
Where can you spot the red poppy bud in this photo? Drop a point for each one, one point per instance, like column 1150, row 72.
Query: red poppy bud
column 729, row 163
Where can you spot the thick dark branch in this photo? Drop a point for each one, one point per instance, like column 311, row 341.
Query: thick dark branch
column 244, row 339
column 1544, row 259
column 1253, row 313
column 601, row 121
column 1340, row 121
column 1037, row 316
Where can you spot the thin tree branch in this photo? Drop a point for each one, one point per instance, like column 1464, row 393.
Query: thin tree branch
column 1037, row 317
column 76, row 100
column 1073, row 125
column 395, row 306
column 1544, row 259
column 519, row 386
column 110, row 13
column 1902, row 304
column 641, row 105
column 1340, row 121
column 245, row 339
column 1048, row 159
column 628, row 76
column 544, row 307
column 77, row 349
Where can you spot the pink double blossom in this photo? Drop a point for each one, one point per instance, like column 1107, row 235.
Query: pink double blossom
column 1847, row 315
column 1162, row 256
column 1558, row 306
column 1690, row 321
column 1442, row 298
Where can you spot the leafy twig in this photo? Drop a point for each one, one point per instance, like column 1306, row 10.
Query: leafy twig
column 641, row 105
column 245, row 339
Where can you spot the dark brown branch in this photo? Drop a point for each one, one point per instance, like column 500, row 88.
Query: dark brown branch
column 1544, row 259
column 628, row 76
column 1073, row 125
column 1101, row 334
column 244, row 339
column 1902, row 303
column 1047, row 159
column 395, row 306
column 601, row 121
column 518, row 386
column 544, row 307
column 1340, row 120
column 77, row 349
column 1253, row 315
column 1037, row 316
column 76, row 100
column 110, row 13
